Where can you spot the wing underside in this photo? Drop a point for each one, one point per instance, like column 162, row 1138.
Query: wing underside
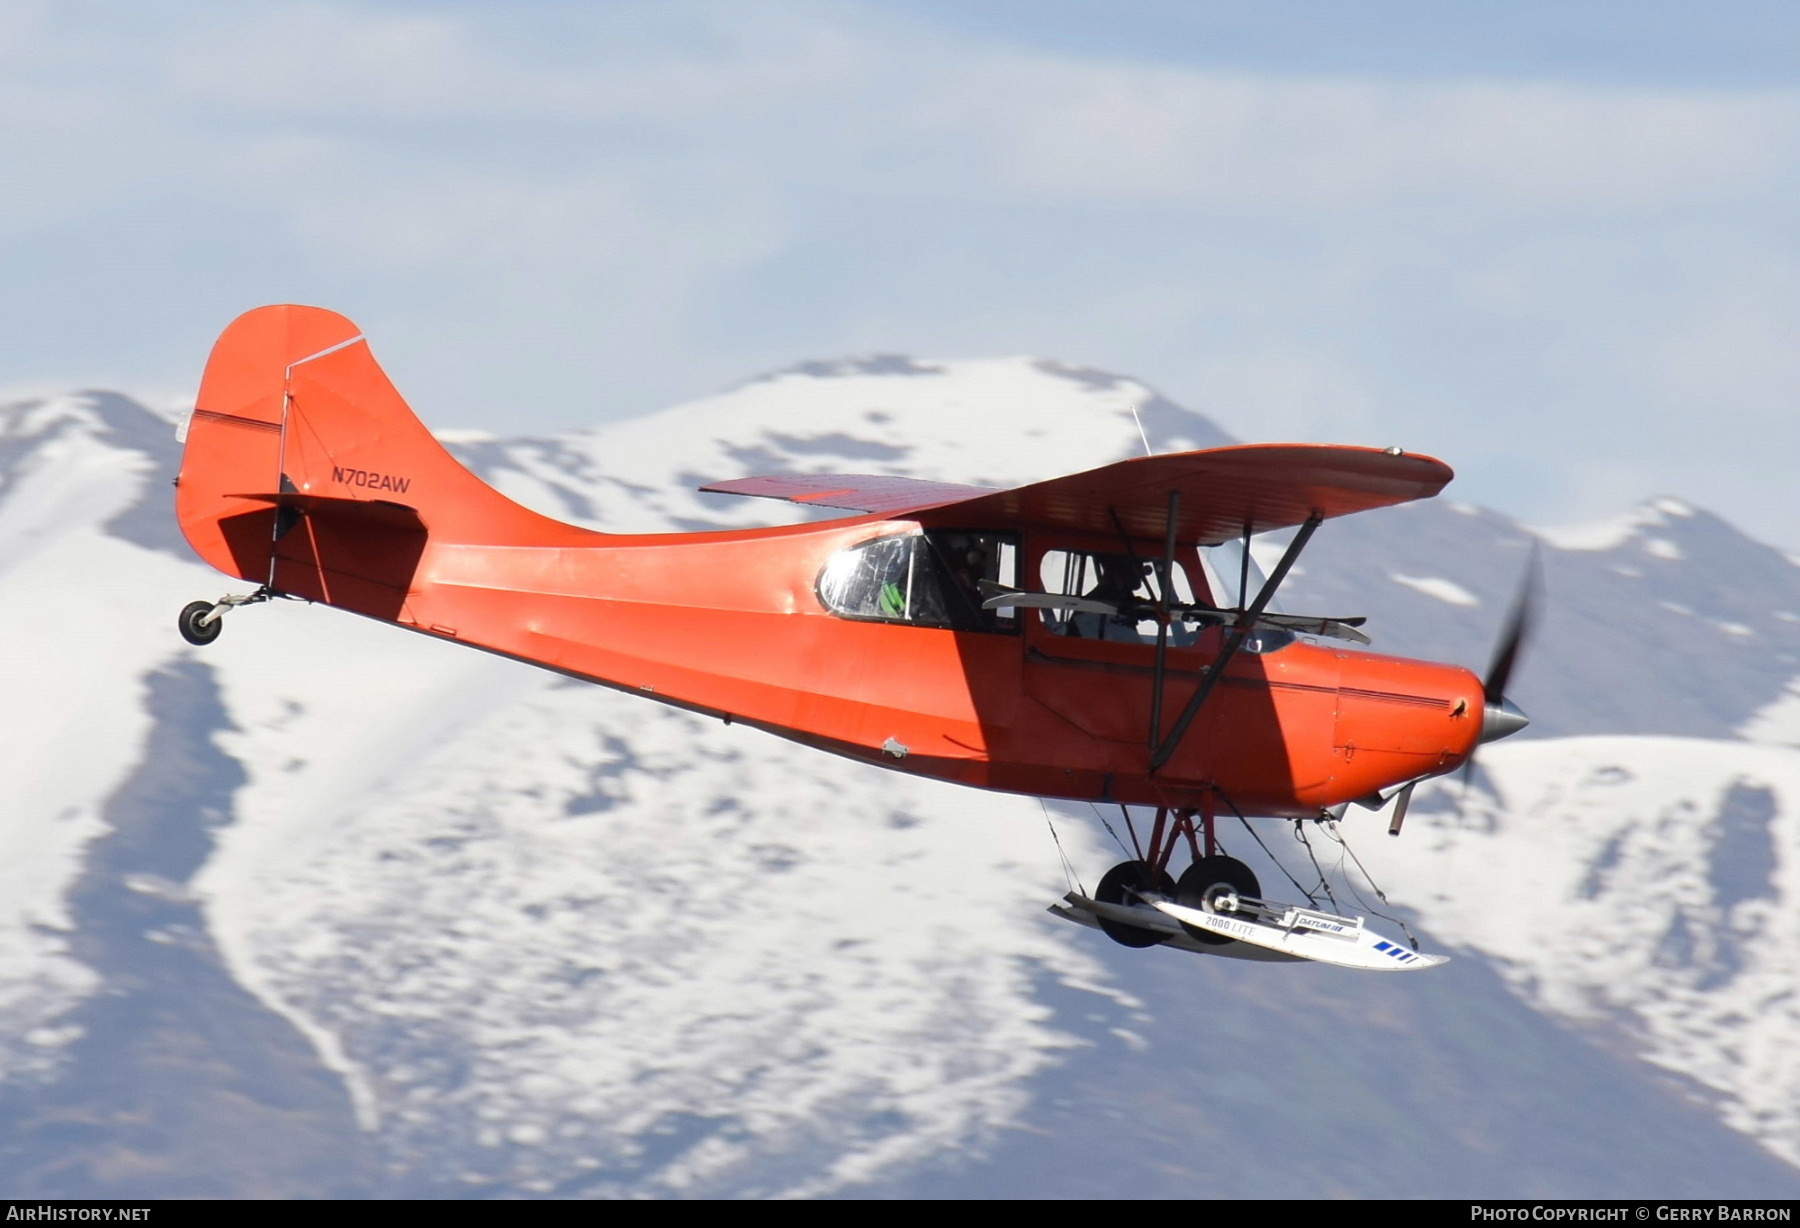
column 1223, row 492
column 852, row 492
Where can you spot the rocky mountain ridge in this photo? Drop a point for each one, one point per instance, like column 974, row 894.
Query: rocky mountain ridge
column 427, row 922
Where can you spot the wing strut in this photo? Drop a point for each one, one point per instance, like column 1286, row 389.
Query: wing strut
column 1240, row 631
column 1162, row 618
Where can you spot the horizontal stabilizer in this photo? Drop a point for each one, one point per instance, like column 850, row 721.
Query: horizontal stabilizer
column 356, row 554
column 371, row 511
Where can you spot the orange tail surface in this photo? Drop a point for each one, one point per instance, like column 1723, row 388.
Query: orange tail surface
column 306, row 471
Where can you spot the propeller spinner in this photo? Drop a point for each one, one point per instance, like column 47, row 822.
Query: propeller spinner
column 1500, row 717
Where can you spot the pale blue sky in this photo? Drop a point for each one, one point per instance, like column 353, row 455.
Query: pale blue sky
column 1649, row 41
column 1557, row 244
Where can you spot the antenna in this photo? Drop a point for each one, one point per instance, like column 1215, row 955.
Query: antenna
column 1141, row 435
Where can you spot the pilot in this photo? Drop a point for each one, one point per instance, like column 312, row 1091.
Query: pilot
column 970, row 560
column 1118, row 584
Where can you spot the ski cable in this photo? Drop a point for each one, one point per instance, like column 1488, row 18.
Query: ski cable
column 1110, row 831
column 1374, row 886
column 1267, row 851
column 1130, row 830
column 1324, row 883
column 1069, row 874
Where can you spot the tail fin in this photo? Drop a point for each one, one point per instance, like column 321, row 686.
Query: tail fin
column 305, row 470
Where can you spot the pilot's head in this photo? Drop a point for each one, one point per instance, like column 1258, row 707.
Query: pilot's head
column 967, row 551
column 1120, row 574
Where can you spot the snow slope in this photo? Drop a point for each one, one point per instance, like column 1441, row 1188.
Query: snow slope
column 542, row 921
column 989, row 422
column 73, row 723
column 541, row 938
column 1648, row 884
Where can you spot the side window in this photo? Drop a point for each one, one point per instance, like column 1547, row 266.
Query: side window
column 1119, row 596
column 975, row 567
column 932, row 579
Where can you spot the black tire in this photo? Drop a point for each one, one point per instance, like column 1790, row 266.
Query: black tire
column 1120, row 886
column 192, row 629
column 1206, row 874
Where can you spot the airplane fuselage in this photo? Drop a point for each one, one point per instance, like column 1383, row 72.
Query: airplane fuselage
column 732, row 624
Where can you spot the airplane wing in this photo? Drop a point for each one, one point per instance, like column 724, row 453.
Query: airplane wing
column 1223, row 490
column 855, row 492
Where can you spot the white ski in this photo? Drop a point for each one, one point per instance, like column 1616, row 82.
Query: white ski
column 1305, row 932
column 1263, row 931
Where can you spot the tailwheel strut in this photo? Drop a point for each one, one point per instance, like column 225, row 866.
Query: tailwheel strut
column 201, row 621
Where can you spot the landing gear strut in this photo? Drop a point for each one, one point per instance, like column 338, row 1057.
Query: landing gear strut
column 1208, row 883
column 201, row 621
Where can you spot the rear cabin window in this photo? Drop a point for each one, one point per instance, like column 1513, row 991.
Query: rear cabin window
column 1131, row 585
column 929, row 579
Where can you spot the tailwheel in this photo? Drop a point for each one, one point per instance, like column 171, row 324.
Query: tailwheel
column 1203, row 882
column 196, row 627
column 201, row 621
column 1121, row 885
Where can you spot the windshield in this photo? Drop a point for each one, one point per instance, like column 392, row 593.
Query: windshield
column 929, row 579
column 1236, row 577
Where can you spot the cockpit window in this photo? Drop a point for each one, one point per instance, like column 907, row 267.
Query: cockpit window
column 928, row 579
column 1119, row 597
column 1116, row 597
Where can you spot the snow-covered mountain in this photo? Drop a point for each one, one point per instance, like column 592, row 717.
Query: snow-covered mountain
column 1647, row 884
column 327, row 908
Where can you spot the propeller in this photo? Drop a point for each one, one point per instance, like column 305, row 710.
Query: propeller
column 997, row 596
column 1500, row 717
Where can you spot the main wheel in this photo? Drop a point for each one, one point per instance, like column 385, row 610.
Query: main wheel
column 1120, row 886
column 192, row 629
column 1204, row 875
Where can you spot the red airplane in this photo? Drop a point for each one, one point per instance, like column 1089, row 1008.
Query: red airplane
column 1065, row 639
